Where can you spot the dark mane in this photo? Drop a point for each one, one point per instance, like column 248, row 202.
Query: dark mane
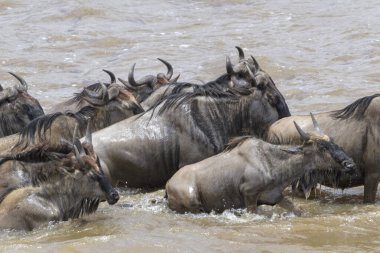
column 40, row 125
column 217, row 84
column 237, row 141
column 79, row 97
column 356, row 109
column 209, row 90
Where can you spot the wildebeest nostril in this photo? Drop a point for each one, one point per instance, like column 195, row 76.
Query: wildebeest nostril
column 115, row 197
column 349, row 166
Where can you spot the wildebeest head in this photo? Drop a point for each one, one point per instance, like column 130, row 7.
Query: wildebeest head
column 17, row 107
column 90, row 168
column 146, row 85
column 248, row 73
column 113, row 101
column 327, row 146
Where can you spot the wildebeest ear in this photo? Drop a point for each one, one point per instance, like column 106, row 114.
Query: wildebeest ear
column 255, row 63
column 304, row 135
column 113, row 92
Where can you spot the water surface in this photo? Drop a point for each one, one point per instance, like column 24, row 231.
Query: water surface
column 322, row 55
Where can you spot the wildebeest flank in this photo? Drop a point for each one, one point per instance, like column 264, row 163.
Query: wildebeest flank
column 249, row 173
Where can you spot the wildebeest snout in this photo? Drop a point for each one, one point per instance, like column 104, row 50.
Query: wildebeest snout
column 349, row 167
column 113, row 197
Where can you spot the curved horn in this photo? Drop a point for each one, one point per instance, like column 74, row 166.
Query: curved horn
column 131, row 78
column 315, row 123
column 77, row 153
column 21, row 80
column 175, row 79
column 241, row 53
column 104, row 91
column 252, row 76
column 112, row 75
column 127, row 85
column 304, row 135
column 229, row 67
column 75, row 133
column 257, row 66
column 169, row 74
column 88, row 137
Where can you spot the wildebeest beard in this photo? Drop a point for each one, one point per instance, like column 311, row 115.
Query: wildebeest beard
column 69, row 198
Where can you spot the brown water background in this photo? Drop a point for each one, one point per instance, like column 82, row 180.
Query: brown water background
column 322, row 55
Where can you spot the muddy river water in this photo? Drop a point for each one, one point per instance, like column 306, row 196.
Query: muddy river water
column 322, row 55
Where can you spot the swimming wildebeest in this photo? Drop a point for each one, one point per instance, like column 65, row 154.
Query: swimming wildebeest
column 17, row 107
column 251, row 172
column 356, row 128
column 144, row 87
column 81, row 187
column 147, row 149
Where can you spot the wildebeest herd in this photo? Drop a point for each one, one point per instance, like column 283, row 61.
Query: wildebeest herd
column 226, row 143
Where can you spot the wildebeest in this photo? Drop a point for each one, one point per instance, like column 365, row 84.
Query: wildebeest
column 147, row 149
column 144, row 87
column 17, row 107
column 251, row 172
column 81, row 187
column 356, row 128
column 113, row 99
